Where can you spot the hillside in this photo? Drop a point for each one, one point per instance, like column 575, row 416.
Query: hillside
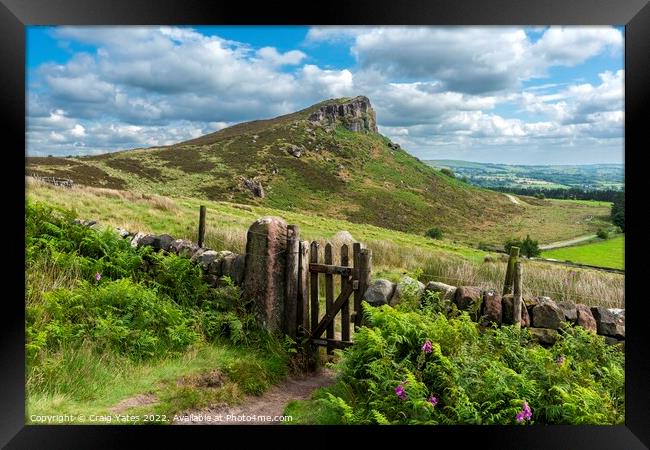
column 327, row 160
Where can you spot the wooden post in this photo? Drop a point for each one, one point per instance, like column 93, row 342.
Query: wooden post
column 365, row 264
column 291, row 306
column 345, row 310
column 517, row 298
column 201, row 225
column 510, row 270
column 356, row 250
column 313, row 286
column 329, row 294
column 303, row 289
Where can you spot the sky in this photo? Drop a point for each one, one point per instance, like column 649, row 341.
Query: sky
column 536, row 95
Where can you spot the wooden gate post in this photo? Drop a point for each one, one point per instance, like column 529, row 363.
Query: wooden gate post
column 291, row 306
column 510, row 271
column 356, row 250
column 303, row 289
column 329, row 294
column 345, row 311
column 365, row 268
column 517, row 298
column 201, row 225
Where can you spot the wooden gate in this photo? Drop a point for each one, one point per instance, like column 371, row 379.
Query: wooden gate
column 304, row 273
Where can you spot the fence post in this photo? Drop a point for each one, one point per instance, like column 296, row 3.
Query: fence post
column 510, row 270
column 517, row 298
column 291, row 306
column 201, row 225
column 345, row 310
column 329, row 295
column 303, row 289
column 356, row 250
column 313, row 286
column 365, row 267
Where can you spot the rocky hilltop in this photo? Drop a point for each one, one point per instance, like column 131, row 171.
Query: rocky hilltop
column 355, row 115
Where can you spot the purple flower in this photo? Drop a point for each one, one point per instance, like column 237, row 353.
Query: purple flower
column 525, row 413
column 427, row 347
column 401, row 393
column 560, row 360
column 98, row 276
column 433, row 400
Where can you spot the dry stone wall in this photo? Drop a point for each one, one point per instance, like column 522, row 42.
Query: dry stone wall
column 541, row 315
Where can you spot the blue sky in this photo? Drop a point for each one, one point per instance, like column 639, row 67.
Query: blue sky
column 543, row 95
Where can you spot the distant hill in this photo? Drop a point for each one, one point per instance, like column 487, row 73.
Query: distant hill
column 327, row 159
column 489, row 175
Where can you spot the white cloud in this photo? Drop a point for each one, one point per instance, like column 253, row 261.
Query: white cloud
column 432, row 87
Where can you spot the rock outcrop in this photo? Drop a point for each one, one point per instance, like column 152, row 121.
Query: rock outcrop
column 355, row 115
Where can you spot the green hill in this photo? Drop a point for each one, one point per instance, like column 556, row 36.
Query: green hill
column 327, row 160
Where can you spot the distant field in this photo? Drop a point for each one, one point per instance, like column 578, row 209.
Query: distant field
column 609, row 253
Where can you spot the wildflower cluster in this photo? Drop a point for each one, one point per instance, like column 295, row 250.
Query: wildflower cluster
column 525, row 413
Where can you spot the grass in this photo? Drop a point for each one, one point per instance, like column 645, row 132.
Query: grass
column 604, row 253
column 92, row 385
column 394, row 253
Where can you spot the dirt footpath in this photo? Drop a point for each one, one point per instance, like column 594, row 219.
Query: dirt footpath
column 262, row 410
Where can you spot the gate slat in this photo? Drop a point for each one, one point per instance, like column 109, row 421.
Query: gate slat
column 356, row 251
column 313, row 285
column 345, row 310
column 329, row 317
column 329, row 295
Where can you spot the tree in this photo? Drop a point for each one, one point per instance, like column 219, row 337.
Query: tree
column 527, row 247
column 448, row 172
column 434, row 233
column 618, row 210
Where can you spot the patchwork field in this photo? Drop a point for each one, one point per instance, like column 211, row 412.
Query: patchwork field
column 607, row 253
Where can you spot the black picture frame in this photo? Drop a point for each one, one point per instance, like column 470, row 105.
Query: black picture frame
column 15, row 15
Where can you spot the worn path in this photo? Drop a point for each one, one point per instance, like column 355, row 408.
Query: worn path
column 257, row 410
column 568, row 242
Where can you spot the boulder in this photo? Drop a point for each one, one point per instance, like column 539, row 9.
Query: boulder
column 585, row 318
column 227, row 262
column 204, row 258
column 265, row 271
column 122, row 232
column 183, row 247
column 546, row 314
column 613, row 341
column 148, row 240
column 379, row 292
column 255, row 187
column 210, row 279
column 136, row 239
column 507, row 311
column 406, row 284
column 447, row 292
column 545, row 336
column 165, row 242
column 491, row 307
column 609, row 321
column 295, row 150
column 344, row 237
column 238, row 269
column 569, row 310
column 468, row 298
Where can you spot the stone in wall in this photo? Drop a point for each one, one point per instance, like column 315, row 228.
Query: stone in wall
column 380, row 292
column 404, row 284
column 585, row 318
column 569, row 310
column 446, row 291
column 545, row 336
column 546, row 314
column 165, row 242
column 491, row 308
column 609, row 321
column 205, row 258
column 507, row 311
column 468, row 298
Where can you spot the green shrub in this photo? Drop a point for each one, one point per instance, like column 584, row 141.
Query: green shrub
column 602, row 234
column 477, row 377
column 125, row 317
column 527, row 247
column 448, row 172
column 434, row 233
